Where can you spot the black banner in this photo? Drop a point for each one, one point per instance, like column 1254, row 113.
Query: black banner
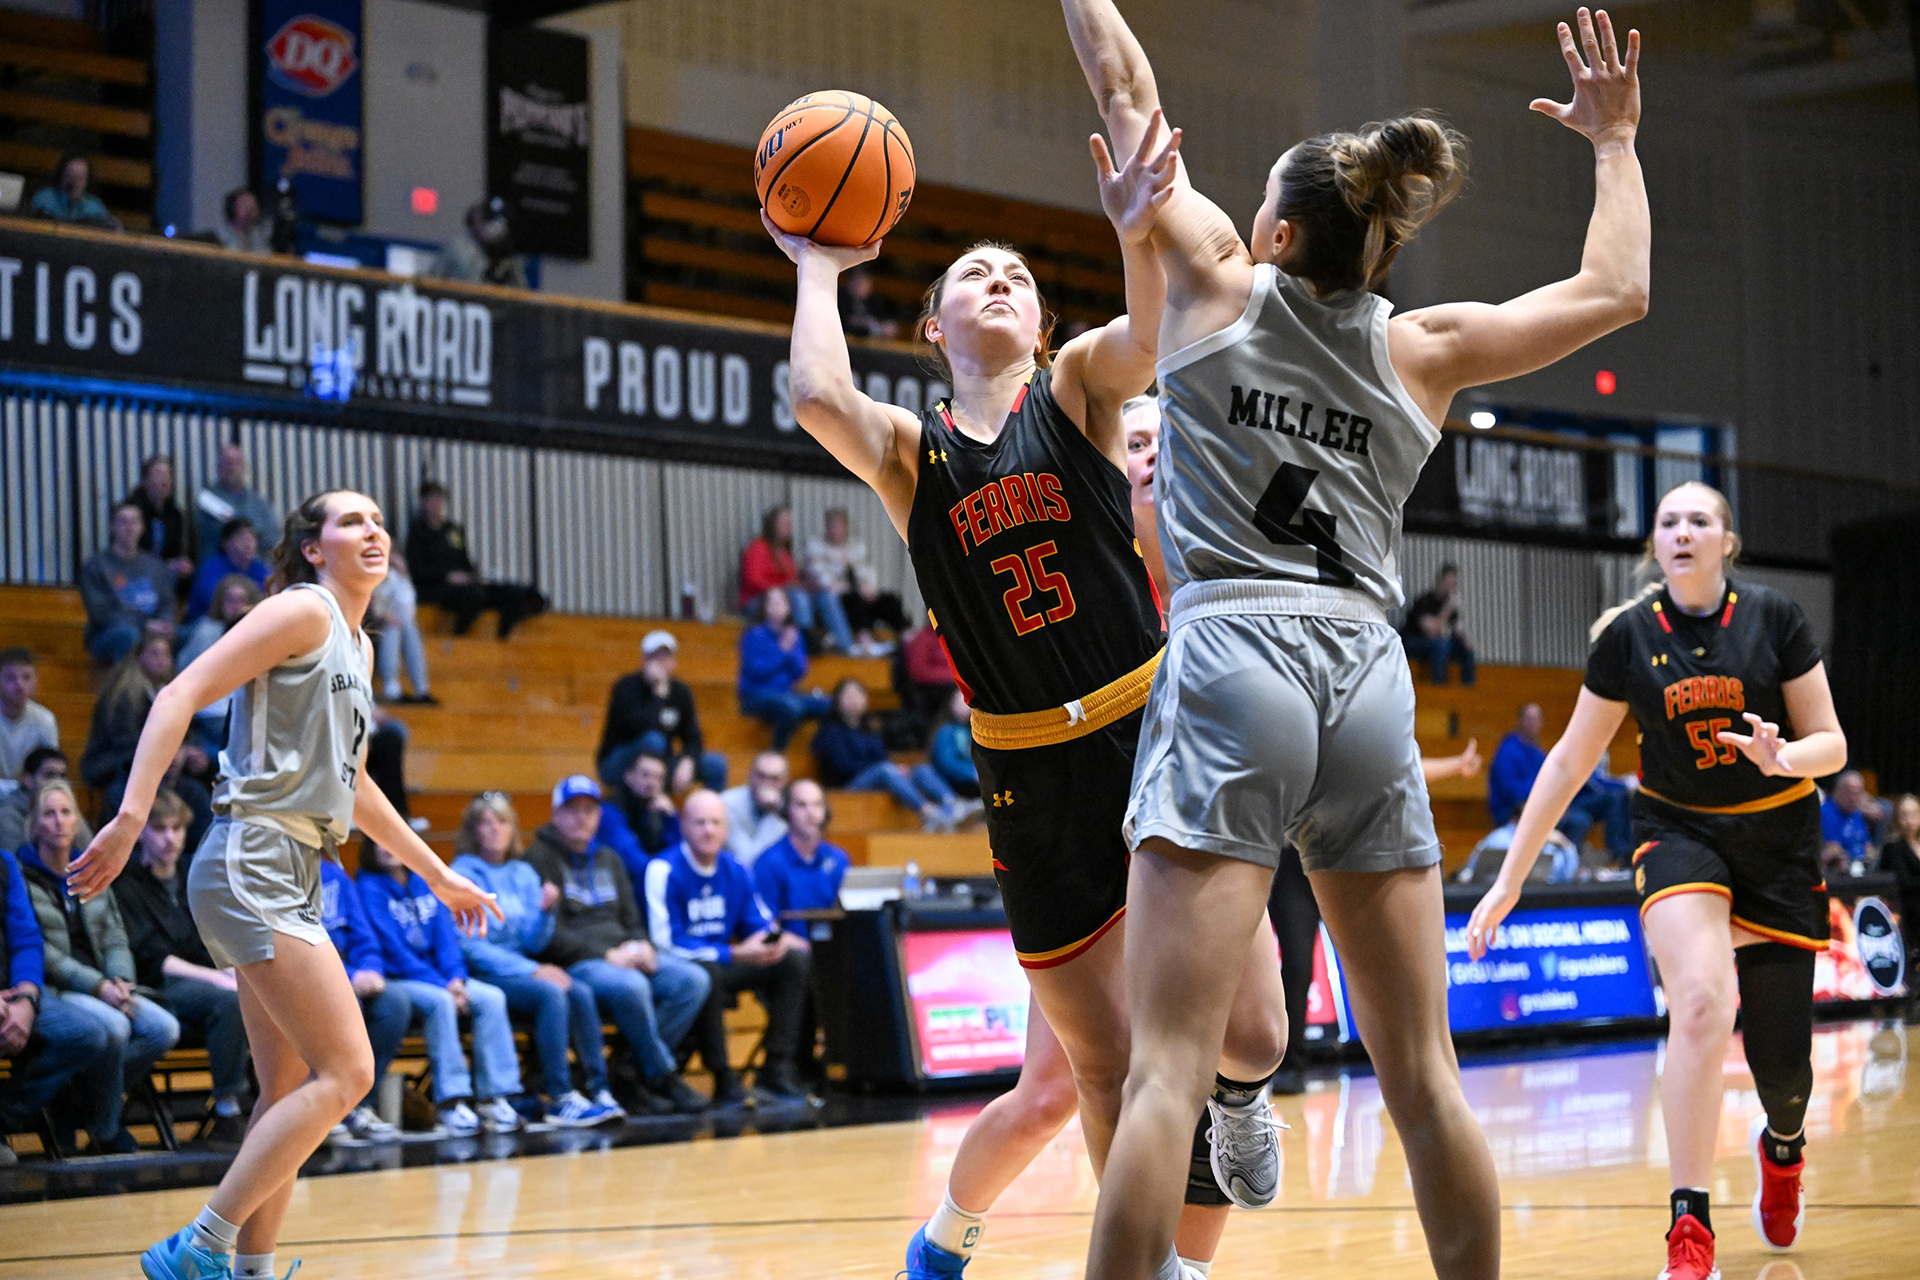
column 540, row 138
column 92, row 305
column 1492, row 483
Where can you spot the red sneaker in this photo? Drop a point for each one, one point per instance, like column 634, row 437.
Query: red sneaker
column 1690, row 1251
column 1780, row 1205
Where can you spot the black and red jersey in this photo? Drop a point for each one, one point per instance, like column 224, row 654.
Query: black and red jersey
column 1026, row 556
column 1687, row 678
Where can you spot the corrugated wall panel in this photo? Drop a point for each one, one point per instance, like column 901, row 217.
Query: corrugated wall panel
column 489, row 490
column 712, row 513
column 1519, row 604
column 600, row 534
column 36, row 506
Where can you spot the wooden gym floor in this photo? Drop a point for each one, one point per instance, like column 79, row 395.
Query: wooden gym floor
column 1576, row 1134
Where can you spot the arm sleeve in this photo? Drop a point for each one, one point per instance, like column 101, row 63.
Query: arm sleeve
column 619, row 837
column 1607, row 662
column 1833, row 827
column 1792, row 639
column 363, row 947
column 26, row 958
column 758, row 571
column 771, row 884
column 761, row 661
column 754, row 914
column 1507, row 781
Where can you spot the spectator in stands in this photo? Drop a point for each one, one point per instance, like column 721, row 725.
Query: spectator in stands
column 24, row 723
column 951, row 751
column 601, row 937
column 767, row 564
column 1517, row 763
column 773, row 659
column 561, row 1010
column 756, row 809
column 43, row 765
column 242, row 229
column 923, row 679
column 238, row 556
column 90, row 965
column 651, row 711
column 70, row 199
column 395, row 607
column 170, row 960
column 420, row 954
column 120, row 713
column 801, row 871
column 837, row 566
column 637, row 819
column 233, row 597
column 45, row 1042
column 444, row 573
column 387, row 1009
column 229, row 498
column 164, row 531
column 863, row 314
column 1432, row 631
column 1900, row 858
column 853, row 757
column 124, row 589
column 483, row 253
column 1849, row 817
column 702, row 903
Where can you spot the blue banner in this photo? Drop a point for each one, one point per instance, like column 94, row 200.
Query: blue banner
column 1551, row 965
column 307, row 105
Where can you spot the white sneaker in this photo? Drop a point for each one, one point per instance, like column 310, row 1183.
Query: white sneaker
column 1245, row 1150
column 576, row 1111
column 459, row 1121
column 339, row 1133
column 365, row 1124
column 605, row 1098
column 498, row 1116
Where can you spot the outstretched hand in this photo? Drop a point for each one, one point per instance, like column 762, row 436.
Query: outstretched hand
column 1606, row 88
column 468, row 904
column 1133, row 194
column 1762, row 746
column 89, row 875
column 798, row 247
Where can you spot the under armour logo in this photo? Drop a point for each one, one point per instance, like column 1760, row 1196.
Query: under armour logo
column 1002, row 799
column 1657, row 660
column 936, row 455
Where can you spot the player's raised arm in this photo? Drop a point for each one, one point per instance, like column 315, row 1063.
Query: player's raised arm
column 1441, row 350
column 879, row 443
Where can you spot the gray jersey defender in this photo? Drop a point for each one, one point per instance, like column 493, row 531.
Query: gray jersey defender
column 1284, row 709
column 296, row 741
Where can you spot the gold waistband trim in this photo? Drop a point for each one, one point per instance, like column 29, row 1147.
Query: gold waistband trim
column 1798, row 791
column 1077, row 719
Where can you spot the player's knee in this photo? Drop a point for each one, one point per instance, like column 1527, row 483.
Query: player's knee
column 1256, row 1043
column 1051, row 1104
column 1701, row 1010
column 350, row 1079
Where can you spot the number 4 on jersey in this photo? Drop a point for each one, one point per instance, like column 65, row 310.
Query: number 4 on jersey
column 1283, row 502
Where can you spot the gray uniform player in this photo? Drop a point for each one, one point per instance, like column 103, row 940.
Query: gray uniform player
column 1284, row 708
column 296, row 741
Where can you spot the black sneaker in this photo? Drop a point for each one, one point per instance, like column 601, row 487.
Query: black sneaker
column 226, row 1133
column 777, row 1084
column 680, row 1096
column 728, row 1092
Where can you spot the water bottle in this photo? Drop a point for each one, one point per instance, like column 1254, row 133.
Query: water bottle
column 689, row 600
column 910, row 882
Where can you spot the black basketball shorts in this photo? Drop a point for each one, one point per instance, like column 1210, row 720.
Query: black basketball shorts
column 1053, row 820
column 1766, row 864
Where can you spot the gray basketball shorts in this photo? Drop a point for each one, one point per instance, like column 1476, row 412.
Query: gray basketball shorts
column 1268, row 726
column 249, row 882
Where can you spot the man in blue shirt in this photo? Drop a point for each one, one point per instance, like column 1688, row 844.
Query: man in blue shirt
column 1517, row 763
column 801, row 872
column 701, row 902
column 1848, row 818
column 47, row 1043
column 239, row 553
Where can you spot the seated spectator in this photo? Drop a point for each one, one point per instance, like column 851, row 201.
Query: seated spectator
column 70, row 199
column 420, row 953
column 444, row 573
column 601, row 938
column 702, row 903
column 233, row 598
column 24, row 723
column 120, row 713
column 90, row 966
column 387, row 1009
column 241, row 228
column 238, row 554
column 43, row 765
column 838, row 565
column 924, row 681
column 637, row 819
column 164, row 532
column 44, row 1041
column 951, row 751
column 560, row 1009
column 483, row 252
column 1848, row 820
column 395, row 608
column 651, row 711
column 756, row 809
column 864, row 314
column 801, row 871
column 229, row 498
column 124, row 589
column 773, row 659
column 170, row 960
column 1900, row 858
column 853, row 757
column 1432, row 632
column 768, row 563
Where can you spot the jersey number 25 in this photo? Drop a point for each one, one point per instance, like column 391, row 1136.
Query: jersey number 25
column 1042, row 579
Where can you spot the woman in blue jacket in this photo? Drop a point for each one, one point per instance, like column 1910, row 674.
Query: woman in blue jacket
column 773, row 659
column 854, row 758
column 420, row 948
column 503, row 955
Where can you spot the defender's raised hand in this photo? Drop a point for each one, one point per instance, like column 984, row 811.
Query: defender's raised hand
column 1606, row 88
column 1133, row 194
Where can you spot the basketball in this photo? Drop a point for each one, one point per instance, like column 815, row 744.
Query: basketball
column 835, row 167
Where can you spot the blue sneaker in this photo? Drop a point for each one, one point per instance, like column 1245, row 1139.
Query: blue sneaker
column 928, row 1261
column 179, row 1258
column 576, row 1111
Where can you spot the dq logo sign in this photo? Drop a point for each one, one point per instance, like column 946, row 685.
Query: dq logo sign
column 311, row 56
column 1883, row 952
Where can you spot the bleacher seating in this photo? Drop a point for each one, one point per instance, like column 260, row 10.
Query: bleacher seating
column 67, row 89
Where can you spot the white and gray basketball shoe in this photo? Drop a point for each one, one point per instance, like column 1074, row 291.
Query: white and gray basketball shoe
column 1245, row 1149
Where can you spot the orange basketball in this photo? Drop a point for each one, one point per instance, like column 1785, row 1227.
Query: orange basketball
column 835, row 167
